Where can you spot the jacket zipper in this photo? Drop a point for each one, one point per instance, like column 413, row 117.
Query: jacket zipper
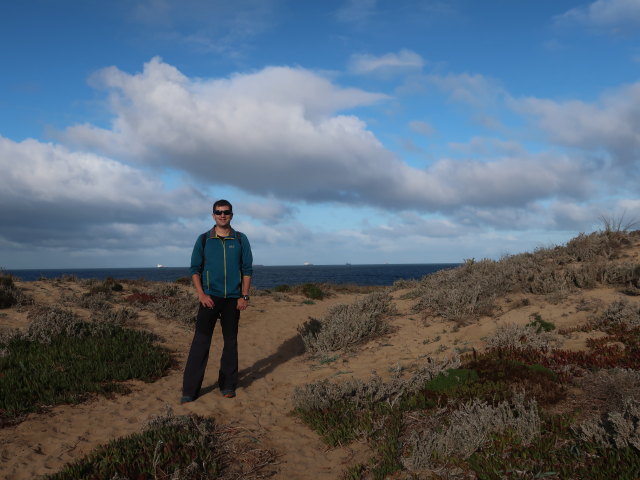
column 224, row 256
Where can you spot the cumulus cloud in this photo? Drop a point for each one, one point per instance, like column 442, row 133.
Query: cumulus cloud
column 279, row 132
column 50, row 195
column 613, row 15
column 402, row 61
column 270, row 211
column 609, row 126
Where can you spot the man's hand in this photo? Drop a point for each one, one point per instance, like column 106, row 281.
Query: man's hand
column 206, row 300
column 242, row 304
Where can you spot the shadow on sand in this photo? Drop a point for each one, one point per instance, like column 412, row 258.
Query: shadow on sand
column 290, row 348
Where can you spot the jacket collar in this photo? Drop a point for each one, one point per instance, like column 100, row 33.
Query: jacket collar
column 213, row 234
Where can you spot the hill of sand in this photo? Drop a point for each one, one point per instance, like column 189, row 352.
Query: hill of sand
column 272, row 363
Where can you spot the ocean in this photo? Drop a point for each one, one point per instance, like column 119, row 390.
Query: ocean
column 263, row 276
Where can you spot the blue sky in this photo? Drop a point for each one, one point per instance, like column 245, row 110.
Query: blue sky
column 361, row 131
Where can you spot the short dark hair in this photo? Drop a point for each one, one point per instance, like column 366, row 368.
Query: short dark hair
column 222, row 203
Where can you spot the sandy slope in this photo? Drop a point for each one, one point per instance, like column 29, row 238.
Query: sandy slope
column 272, row 363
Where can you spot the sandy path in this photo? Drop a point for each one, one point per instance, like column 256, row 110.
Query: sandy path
column 271, row 363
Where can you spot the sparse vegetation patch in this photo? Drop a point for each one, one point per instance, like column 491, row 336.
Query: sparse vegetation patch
column 175, row 447
column 61, row 359
column 346, row 326
column 469, row 291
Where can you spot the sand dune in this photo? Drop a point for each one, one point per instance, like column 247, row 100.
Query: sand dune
column 272, row 362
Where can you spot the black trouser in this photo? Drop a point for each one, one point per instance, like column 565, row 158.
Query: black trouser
column 199, row 353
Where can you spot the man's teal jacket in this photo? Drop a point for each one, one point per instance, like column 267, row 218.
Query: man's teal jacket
column 222, row 263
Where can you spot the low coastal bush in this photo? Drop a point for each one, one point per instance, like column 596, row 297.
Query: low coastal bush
column 616, row 429
column 483, row 420
column 470, row 291
column 180, row 308
column 10, row 294
column 618, row 315
column 521, row 337
column 312, row 291
column 346, row 326
column 120, row 316
column 459, row 432
column 107, row 286
column 175, row 447
column 184, row 281
column 62, row 359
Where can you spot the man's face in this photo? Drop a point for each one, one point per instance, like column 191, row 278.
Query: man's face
column 222, row 215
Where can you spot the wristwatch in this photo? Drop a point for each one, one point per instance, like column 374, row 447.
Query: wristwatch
column 245, row 297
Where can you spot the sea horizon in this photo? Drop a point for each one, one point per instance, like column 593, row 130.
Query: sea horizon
column 264, row 276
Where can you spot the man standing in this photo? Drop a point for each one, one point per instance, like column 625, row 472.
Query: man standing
column 221, row 268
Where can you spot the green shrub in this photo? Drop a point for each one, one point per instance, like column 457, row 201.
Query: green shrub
column 61, row 359
column 8, row 292
column 312, row 291
column 451, row 380
column 7, row 297
column 540, row 325
column 282, row 288
column 176, row 447
column 186, row 447
column 107, row 286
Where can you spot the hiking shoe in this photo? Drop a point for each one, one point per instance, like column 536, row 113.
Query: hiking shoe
column 186, row 399
column 228, row 393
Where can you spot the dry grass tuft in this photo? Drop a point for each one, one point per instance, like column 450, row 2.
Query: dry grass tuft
column 611, row 386
column 522, row 338
column 616, row 429
column 460, row 432
column 619, row 314
column 470, row 291
column 324, row 394
column 181, row 308
column 346, row 326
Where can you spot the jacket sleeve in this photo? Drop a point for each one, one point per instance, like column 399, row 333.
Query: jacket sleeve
column 246, row 269
column 197, row 256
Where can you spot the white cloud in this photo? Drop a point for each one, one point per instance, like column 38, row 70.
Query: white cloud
column 270, row 211
column 278, row 132
column 609, row 127
column 402, row 61
column 613, row 15
column 52, row 196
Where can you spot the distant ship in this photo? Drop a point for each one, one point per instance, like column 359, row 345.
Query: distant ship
column 161, row 266
column 307, row 264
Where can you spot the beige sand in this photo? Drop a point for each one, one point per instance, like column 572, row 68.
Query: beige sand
column 272, row 362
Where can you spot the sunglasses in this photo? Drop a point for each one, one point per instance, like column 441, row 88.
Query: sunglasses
column 222, row 212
